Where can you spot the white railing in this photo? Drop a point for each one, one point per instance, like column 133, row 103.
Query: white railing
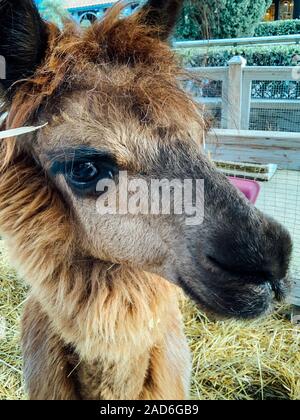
column 264, row 40
column 236, row 101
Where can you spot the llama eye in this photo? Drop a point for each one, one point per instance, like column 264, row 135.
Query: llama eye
column 83, row 176
column 83, row 168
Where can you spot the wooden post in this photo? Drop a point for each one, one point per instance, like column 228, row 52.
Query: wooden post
column 246, row 101
column 235, row 88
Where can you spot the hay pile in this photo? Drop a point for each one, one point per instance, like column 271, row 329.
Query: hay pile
column 251, row 360
column 12, row 295
column 232, row 360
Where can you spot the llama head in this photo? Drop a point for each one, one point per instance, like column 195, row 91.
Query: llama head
column 112, row 98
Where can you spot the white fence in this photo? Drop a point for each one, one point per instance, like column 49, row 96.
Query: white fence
column 234, row 42
column 255, row 111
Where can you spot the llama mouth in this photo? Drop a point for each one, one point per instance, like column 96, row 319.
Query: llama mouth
column 279, row 288
column 240, row 301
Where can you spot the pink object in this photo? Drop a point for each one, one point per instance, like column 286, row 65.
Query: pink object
column 248, row 187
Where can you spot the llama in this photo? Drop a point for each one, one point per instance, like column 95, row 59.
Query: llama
column 102, row 319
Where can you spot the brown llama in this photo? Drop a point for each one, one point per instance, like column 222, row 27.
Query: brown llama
column 102, row 320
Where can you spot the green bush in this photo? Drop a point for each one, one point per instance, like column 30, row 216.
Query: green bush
column 255, row 56
column 220, row 18
column 279, row 27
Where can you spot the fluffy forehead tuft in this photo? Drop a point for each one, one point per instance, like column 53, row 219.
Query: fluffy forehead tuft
column 124, row 55
column 116, row 82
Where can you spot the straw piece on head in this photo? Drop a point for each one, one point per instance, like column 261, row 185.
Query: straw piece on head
column 15, row 132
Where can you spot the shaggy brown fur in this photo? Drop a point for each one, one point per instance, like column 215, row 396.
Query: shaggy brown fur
column 149, row 87
column 129, row 342
column 97, row 324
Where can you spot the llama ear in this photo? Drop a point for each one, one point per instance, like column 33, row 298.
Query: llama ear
column 23, row 41
column 163, row 15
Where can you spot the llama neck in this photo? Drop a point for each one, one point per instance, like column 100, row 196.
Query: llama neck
column 97, row 308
